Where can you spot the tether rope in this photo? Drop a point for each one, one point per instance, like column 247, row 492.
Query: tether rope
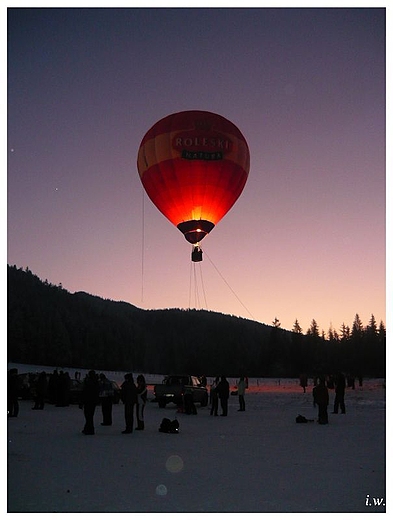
column 230, row 288
column 143, row 244
column 196, row 294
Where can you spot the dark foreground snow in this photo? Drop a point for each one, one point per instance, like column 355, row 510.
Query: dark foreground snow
column 256, row 461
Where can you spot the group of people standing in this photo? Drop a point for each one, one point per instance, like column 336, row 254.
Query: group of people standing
column 98, row 389
column 321, row 397
column 59, row 388
column 134, row 395
column 54, row 387
column 219, row 392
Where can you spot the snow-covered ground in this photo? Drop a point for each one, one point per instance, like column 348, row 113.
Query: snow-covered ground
column 253, row 462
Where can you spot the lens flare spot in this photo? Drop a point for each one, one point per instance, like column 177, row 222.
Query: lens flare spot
column 161, row 490
column 174, row 464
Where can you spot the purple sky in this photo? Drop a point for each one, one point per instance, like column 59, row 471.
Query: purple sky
column 306, row 87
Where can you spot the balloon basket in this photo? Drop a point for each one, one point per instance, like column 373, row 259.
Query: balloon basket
column 196, row 255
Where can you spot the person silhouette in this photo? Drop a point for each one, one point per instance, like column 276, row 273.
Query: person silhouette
column 40, row 391
column 106, row 399
column 321, row 398
column 340, row 393
column 214, row 397
column 241, row 390
column 12, row 393
column 141, row 389
column 223, row 394
column 90, row 399
column 129, row 398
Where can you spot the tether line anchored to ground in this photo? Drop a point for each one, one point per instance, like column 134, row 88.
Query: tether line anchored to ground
column 194, row 276
column 143, row 245
column 230, row 288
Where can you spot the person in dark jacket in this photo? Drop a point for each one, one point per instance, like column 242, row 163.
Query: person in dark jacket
column 106, row 399
column 90, row 400
column 321, row 398
column 12, row 393
column 223, row 394
column 188, row 402
column 241, row 390
column 129, row 398
column 303, row 382
column 63, row 389
column 340, row 392
column 53, row 387
column 141, row 401
column 214, row 397
column 40, row 391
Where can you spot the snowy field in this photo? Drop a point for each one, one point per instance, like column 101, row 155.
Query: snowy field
column 256, row 461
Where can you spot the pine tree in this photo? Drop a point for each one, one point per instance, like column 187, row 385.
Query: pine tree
column 382, row 330
column 372, row 328
column 297, row 328
column 276, row 323
column 313, row 330
column 357, row 328
column 344, row 332
column 332, row 334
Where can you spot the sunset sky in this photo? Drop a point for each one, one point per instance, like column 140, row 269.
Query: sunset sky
column 306, row 87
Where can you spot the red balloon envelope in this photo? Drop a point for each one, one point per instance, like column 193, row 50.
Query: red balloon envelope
column 194, row 165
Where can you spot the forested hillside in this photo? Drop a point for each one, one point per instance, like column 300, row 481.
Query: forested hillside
column 50, row 326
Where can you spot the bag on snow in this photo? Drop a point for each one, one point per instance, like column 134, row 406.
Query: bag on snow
column 302, row 419
column 168, row 426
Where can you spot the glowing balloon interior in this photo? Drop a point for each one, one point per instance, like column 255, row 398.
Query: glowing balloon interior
column 193, row 166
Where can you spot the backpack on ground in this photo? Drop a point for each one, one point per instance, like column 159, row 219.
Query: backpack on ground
column 168, row 426
column 301, row 419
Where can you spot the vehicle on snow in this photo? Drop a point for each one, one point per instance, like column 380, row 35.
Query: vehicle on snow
column 173, row 388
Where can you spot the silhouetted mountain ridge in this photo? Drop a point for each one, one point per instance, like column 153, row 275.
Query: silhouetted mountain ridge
column 47, row 325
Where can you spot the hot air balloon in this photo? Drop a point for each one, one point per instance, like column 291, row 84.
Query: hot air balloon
column 193, row 166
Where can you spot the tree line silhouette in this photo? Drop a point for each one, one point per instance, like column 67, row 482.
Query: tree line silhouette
column 47, row 325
